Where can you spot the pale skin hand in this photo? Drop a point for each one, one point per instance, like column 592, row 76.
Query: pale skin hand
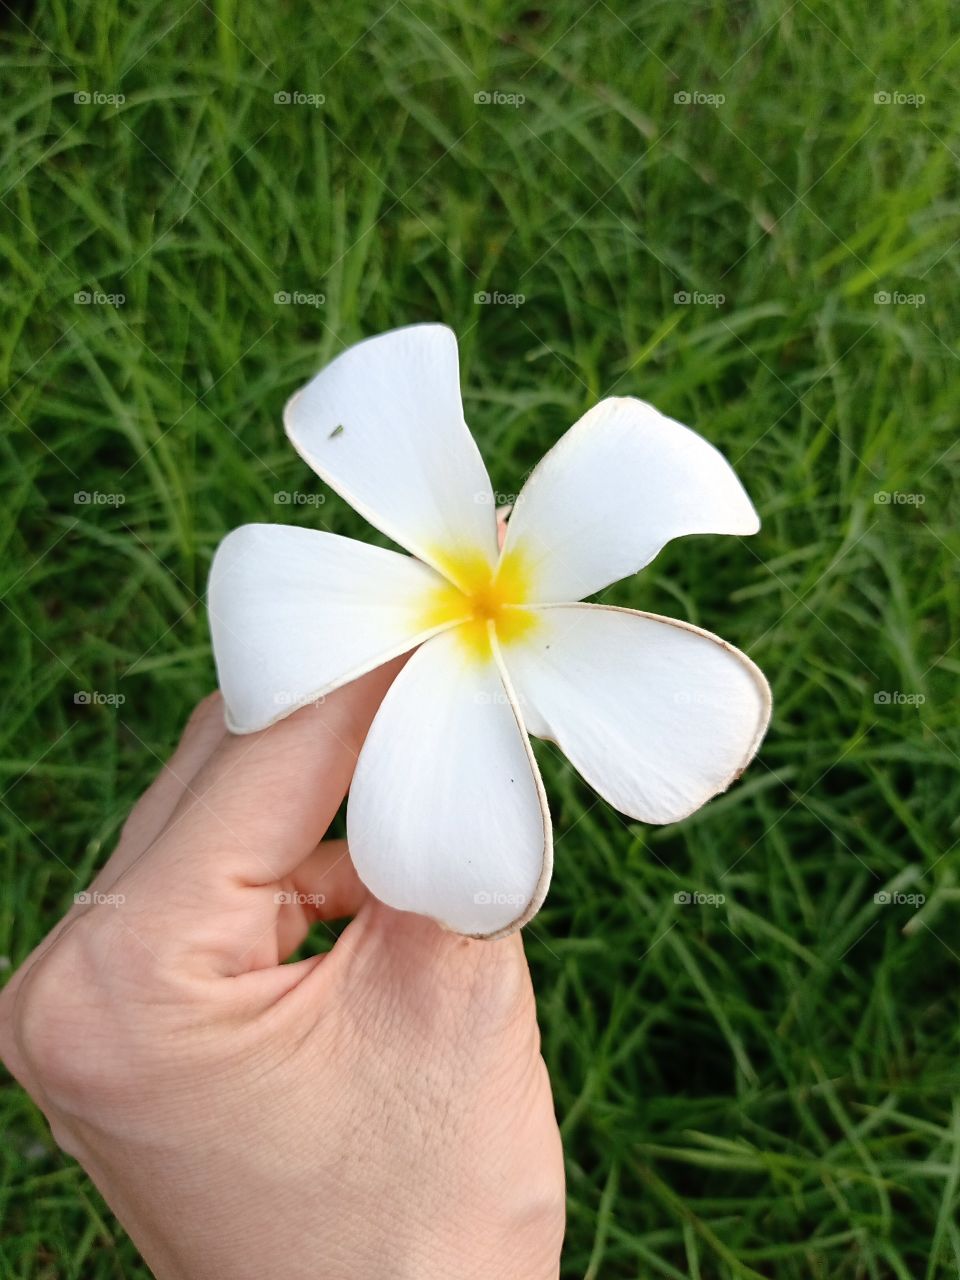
column 380, row 1111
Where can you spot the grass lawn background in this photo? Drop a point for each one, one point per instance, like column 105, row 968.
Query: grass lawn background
column 766, row 1088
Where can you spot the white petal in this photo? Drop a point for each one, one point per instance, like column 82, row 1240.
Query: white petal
column 447, row 815
column 294, row 613
column 620, row 484
column 657, row 715
column 383, row 425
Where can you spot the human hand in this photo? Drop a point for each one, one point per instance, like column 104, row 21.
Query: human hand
column 379, row 1111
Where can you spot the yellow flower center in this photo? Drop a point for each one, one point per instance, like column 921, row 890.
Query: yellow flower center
column 482, row 595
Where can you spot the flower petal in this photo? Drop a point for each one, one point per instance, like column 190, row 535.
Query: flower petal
column 294, row 613
column 447, row 815
column 383, row 425
column 657, row 715
column 620, row 484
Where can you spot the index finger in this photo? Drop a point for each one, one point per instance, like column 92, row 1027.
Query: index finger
column 262, row 803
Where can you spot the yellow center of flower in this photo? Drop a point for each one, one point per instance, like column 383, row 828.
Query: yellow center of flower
column 481, row 595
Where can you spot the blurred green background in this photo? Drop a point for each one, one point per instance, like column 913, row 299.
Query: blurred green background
column 746, row 213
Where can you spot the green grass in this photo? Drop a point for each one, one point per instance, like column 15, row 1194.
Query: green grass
column 765, row 1088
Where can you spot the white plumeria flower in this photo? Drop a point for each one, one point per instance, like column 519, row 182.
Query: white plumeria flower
column 447, row 814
